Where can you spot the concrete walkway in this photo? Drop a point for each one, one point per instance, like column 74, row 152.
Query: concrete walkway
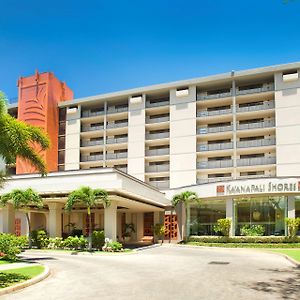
column 16, row 265
column 167, row 272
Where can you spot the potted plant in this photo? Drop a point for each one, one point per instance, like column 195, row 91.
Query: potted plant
column 128, row 231
column 159, row 232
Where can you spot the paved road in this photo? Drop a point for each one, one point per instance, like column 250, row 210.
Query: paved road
column 168, row 272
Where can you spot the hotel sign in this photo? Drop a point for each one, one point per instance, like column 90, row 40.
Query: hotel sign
column 258, row 187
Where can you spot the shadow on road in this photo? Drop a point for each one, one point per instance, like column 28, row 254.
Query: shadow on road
column 35, row 259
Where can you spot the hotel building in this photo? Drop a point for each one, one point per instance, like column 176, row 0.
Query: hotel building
column 233, row 138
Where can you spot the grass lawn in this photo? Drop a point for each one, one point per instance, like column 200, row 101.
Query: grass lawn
column 293, row 253
column 14, row 276
column 4, row 262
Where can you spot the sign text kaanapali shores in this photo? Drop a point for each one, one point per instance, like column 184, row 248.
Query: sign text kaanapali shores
column 260, row 187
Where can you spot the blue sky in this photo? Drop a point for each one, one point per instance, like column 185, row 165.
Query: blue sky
column 100, row 46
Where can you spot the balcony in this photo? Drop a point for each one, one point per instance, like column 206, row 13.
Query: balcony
column 92, row 143
column 206, row 130
column 214, row 147
column 156, row 136
column 116, row 155
column 256, row 125
column 157, row 120
column 117, row 125
column 256, row 143
column 263, row 106
column 117, row 109
column 92, row 128
column 210, row 113
column 87, row 158
column 267, row 87
column 209, row 96
column 117, row 140
column 160, row 184
column 89, row 113
column 254, row 161
column 150, row 104
column 214, row 179
column 214, row 164
column 156, row 152
column 157, row 168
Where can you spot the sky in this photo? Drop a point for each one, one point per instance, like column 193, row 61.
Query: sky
column 100, row 46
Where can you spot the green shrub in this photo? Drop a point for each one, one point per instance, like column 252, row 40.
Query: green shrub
column 22, row 241
column 9, row 246
column 111, row 246
column 253, row 230
column 159, row 231
column 75, row 242
column 39, row 238
column 98, row 239
column 293, row 225
column 223, row 226
column 56, row 243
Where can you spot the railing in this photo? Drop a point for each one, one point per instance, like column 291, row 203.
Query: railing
column 91, row 143
column 214, row 147
column 91, row 158
column 117, row 109
column 264, row 124
column 214, row 179
column 205, row 96
column 117, row 140
column 157, row 120
column 116, row 155
column 256, row 143
column 155, row 152
column 160, row 184
column 215, row 164
column 155, row 136
column 254, row 176
column 94, row 128
column 88, row 113
column 265, row 88
column 206, row 130
column 117, row 125
column 207, row 113
column 256, row 161
column 157, row 104
column 157, row 168
column 264, row 106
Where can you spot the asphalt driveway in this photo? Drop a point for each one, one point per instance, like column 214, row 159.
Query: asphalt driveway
column 168, row 272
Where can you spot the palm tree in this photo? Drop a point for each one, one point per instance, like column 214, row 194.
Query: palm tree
column 90, row 198
column 17, row 139
column 23, row 199
column 185, row 198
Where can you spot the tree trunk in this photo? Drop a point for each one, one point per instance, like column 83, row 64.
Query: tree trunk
column 29, row 231
column 186, row 222
column 90, row 230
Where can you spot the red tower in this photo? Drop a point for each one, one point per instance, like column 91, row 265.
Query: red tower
column 37, row 105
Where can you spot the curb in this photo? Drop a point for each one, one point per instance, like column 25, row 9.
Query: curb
column 26, row 283
column 290, row 259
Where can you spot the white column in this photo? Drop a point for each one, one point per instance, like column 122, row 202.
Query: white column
column 139, row 226
column 54, row 219
column 128, row 218
column 230, row 215
column 110, row 221
column 291, row 207
column 156, row 217
column 8, row 215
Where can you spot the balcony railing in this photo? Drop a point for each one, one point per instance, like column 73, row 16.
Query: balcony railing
column 264, row 124
column 210, row 113
column 252, row 161
column 205, row 96
column 157, row 120
column 214, row 147
column 91, row 143
column 117, row 140
column 254, row 176
column 88, row 113
column 117, row 109
column 157, row 104
column 206, row 130
column 117, row 125
column 91, row 158
column 94, row 128
column 264, row 88
column 155, row 136
column 160, row 184
column 264, row 106
column 215, row 164
column 214, row 179
column 256, row 143
column 156, row 152
column 116, row 155
column 157, row 168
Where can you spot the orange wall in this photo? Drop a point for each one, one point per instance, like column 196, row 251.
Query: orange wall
column 37, row 105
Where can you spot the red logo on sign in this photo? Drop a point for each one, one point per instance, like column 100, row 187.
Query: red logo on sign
column 220, row 189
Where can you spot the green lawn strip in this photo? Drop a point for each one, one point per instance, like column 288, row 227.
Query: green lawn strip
column 245, row 245
column 293, row 253
column 82, row 251
column 4, row 262
column 14, row 276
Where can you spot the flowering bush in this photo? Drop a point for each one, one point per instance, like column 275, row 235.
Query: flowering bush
column 253, row 230
column 9, row 246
